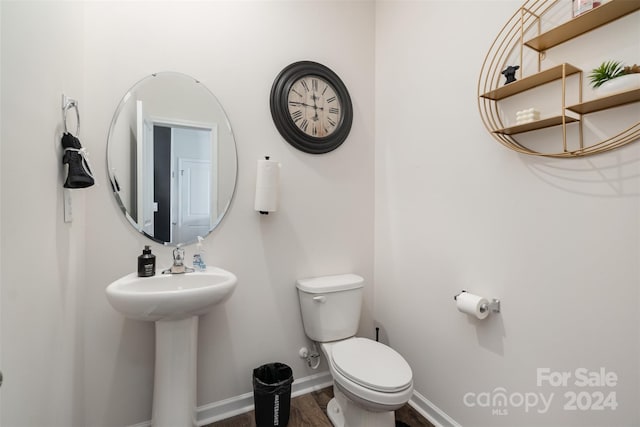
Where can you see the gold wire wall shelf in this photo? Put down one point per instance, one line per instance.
(538, 124)
(604, 103)
(601, 15)
(511, 38)
(531, 82)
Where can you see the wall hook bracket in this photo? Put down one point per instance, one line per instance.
(67, 104)
(494, 305)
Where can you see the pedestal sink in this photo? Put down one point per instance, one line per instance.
(173, 302)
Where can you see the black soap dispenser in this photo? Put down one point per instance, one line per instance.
(146, 263)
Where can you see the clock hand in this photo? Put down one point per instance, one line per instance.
(300, 103)
(315, 117)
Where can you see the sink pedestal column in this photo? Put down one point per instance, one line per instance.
(174, 388)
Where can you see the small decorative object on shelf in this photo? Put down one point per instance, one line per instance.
(608, 70)
(611, 77)
(632, 69)
(582, 6)
(527, 116)
(510, 73)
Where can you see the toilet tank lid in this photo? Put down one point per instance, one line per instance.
(335, 283)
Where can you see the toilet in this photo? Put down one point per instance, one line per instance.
(370, 379)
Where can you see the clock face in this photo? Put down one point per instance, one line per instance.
(311, 107)
(314, 106)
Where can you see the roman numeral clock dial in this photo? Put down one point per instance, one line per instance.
(314, 106)
(311, 107)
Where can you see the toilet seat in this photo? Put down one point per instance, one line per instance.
(399, 379)
(371, 364)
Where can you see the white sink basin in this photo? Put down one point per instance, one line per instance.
(170, 296)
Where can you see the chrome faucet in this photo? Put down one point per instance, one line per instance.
(178, 266)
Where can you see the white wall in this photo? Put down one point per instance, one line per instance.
(555, 240)
(325, 223)
(0, 213)
(43, 258)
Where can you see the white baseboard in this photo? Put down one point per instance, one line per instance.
(431, 412)
(212, 412)
(217, 411)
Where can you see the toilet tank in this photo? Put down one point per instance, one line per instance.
(330, 306)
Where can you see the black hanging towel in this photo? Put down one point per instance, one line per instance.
(78, 173)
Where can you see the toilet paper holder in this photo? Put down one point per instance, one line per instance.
(493, 306)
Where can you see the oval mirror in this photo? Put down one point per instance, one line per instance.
(172, 158)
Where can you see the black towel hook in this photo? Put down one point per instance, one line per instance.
(67, 104)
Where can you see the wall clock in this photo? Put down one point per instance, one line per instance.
(311, 107)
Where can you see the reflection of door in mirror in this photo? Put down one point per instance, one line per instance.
(175, 193)
(144, 172)
(196, 197)
(193, 206)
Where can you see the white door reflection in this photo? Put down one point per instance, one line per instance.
(176, 198)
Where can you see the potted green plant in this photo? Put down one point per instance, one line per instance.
(612, 76)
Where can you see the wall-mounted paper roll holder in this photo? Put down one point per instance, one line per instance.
(493, 306)
(267, 177)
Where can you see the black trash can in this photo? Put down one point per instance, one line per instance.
(272, 394)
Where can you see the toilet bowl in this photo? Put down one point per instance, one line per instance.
(370, 379)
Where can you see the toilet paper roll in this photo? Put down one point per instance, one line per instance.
(473, 304)
(267, 183)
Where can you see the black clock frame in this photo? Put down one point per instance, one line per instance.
(279, 103)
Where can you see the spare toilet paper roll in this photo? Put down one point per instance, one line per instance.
(473, 304)
(268, 177)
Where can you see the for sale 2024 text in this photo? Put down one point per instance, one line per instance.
(587, 398)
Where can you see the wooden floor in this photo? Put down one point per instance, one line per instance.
(310, 410)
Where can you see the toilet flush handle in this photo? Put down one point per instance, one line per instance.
(320, 299)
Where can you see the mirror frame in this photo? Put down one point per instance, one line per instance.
(115, 185)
